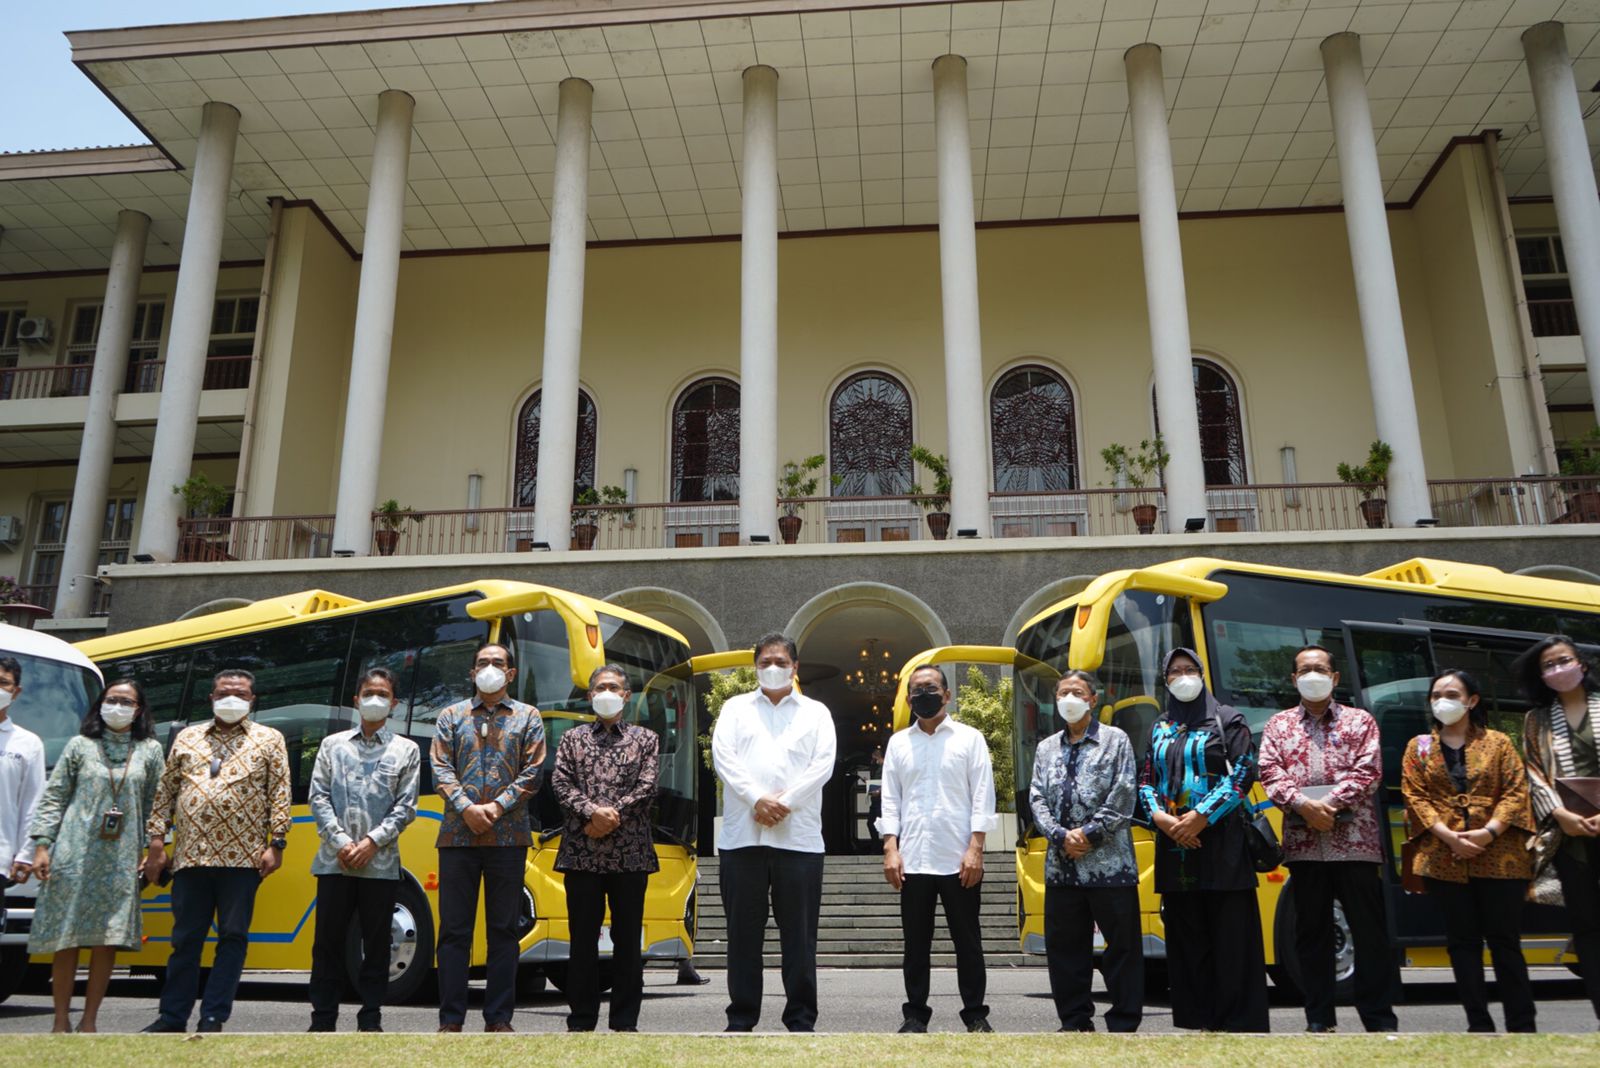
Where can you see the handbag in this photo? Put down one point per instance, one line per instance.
(1545, 888)
(1410, 881)
(1266, 852)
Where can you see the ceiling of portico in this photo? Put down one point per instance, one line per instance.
(1050, 135)
(134, 442)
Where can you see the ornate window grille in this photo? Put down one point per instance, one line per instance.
(869, 431)
(705, 442)
(1033, 426)
(1216, 399)
(527, 470)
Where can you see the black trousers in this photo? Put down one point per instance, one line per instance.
(794, 881)
(1579, 869)
(371, 902)
(1481, 911)
(500, 869)
(1216, 961)
(1071, 913)
(919, 895)
(1359, 890)
(198, 895)
(587, 896)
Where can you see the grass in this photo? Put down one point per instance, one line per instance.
(857, 1050)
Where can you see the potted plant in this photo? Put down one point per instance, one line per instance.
(937, 501)
(202, 499)
(391, 516)
(1134, 469)
(15, 608)
(797, 480)
(589, 504)
(1583, 498)
(1369, 478)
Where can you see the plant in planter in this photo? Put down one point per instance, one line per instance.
(588, 505)
(1369, 478)
(1135, 469)
(391, 517)
(202, 498)
(796, 480)
(1583, 498)
(15, 607)
(939, 500)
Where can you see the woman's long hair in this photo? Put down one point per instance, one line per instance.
(95, 727)
(1532, 677)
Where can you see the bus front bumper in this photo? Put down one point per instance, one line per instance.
(550, 950)
(1154, 945)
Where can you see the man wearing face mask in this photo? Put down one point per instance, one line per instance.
(938, 807)
(605, 782)
(225, 795)
(1321, 764)
(363, 794)
(774, 751)
(486, 756)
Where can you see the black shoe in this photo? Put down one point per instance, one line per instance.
(370, 1029)
(321, 1028)
(163, 1026)
(980, 1026)
(732, 1030)
(209, 1025)
(913, 1027)
(687, 976)
(1321, 1029)
(1074, 1029)
(624, 1030)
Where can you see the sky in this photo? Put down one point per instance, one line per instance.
(65, 110)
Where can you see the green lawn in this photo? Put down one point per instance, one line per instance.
(709, 1051)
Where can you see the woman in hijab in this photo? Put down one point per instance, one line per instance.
(1197, 774)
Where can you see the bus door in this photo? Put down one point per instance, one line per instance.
(1393, 666)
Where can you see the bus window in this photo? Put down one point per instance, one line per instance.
(668, 708)
(1251, 664)
(55, 697)
(1391, 668)
(1491, 663)
(164, 677)
(1144, 627)
(400, 639)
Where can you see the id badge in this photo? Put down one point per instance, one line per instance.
(111, 823)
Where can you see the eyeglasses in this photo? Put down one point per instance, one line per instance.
(1558, 663)
(1182, 672)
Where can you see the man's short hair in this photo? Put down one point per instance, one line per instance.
(382, 674)
(944, 680)
(767, 640)
(11, 667)
(511, 658)
(1315, 649)
(609, 669)
(233, 673)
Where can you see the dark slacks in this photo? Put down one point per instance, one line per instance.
(794, 881)
(1071, 913)
(587, 896)
(919, 894)
(1479, 912)
(199, 896)
(1216, 961)
(1359, 890)
(371, 903)
(1580, 886)
(500, 869)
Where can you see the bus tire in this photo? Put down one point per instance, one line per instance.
(1286, 973)
(556, 971)
(410, 946)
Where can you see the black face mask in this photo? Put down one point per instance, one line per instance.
(925, 704)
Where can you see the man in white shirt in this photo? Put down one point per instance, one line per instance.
(21, 779)
(773, 750)
(938, 807)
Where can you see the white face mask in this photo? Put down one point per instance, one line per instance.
(5, 700)
(374, 708)
(489, 680)
(118, 717)
(1448, 710)
(607, 705)
(1314, 686)
(230, 709)
(774, 677)
(1072, 708)
(1186, 687)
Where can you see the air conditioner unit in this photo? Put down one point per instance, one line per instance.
(36, 328)
(10, 529)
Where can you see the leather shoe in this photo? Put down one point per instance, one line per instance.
(449, 1029)
(980, 1026)
(1320, 1029)
(502, 1027)
(370, 1029)
(318, 1028)
(913, 1027)
(209, 1025)
(163, 1027)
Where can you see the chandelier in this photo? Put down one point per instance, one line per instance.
(874, 673)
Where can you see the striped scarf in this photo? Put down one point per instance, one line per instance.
(1547, 739)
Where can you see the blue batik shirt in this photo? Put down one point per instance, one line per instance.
(364, 788)
(1089, 785)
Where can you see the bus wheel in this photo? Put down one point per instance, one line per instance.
(556, 971)
(410, 946)
(1286, 972)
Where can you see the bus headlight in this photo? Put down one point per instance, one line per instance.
(528, 915)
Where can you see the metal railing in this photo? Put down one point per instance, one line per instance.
(278, 537)
(1529, 501)
(143, 376)
(1553, 318)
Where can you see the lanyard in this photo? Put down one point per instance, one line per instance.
(116, 783)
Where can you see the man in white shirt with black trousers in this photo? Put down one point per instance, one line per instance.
(938, 807)
(774, 751)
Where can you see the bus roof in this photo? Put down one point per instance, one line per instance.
(15, 641)
(1473, 581)
(272, 612)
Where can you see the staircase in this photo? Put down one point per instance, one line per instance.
(860, 922)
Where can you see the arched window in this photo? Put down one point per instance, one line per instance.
(527, 473)
(869, 436)
(1035, 431)
(705, 442)
(1216, 401)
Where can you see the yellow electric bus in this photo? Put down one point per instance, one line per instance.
(1390, 630)
(308, 650)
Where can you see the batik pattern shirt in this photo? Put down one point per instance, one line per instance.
(1340, 749)
(1497, 789)
(1089, 785)
(483, 754)
(602, 765)
(364, 788)
(224, 820)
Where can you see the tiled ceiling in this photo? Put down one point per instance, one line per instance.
(134, 443)
(1050, 134)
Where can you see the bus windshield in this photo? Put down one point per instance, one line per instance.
(54, 697)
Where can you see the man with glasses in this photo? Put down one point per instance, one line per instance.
(1321, 764)
(938, 807)
(486, 756)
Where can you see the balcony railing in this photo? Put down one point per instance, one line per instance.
(143, 376)
(278, 537)
(1553, 318)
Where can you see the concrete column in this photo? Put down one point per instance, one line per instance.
(75, 594)
(758, 309)
(1166, 298)
(1394, 405)
(958, 287)
(369, 355)
(189, 331)
(1566, 146)
(563, 318)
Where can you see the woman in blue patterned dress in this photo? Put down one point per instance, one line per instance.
(1197, 773)
(87, 833)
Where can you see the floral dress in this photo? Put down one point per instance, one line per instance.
(92, 898)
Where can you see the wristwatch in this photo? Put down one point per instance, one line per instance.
(278, 843)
